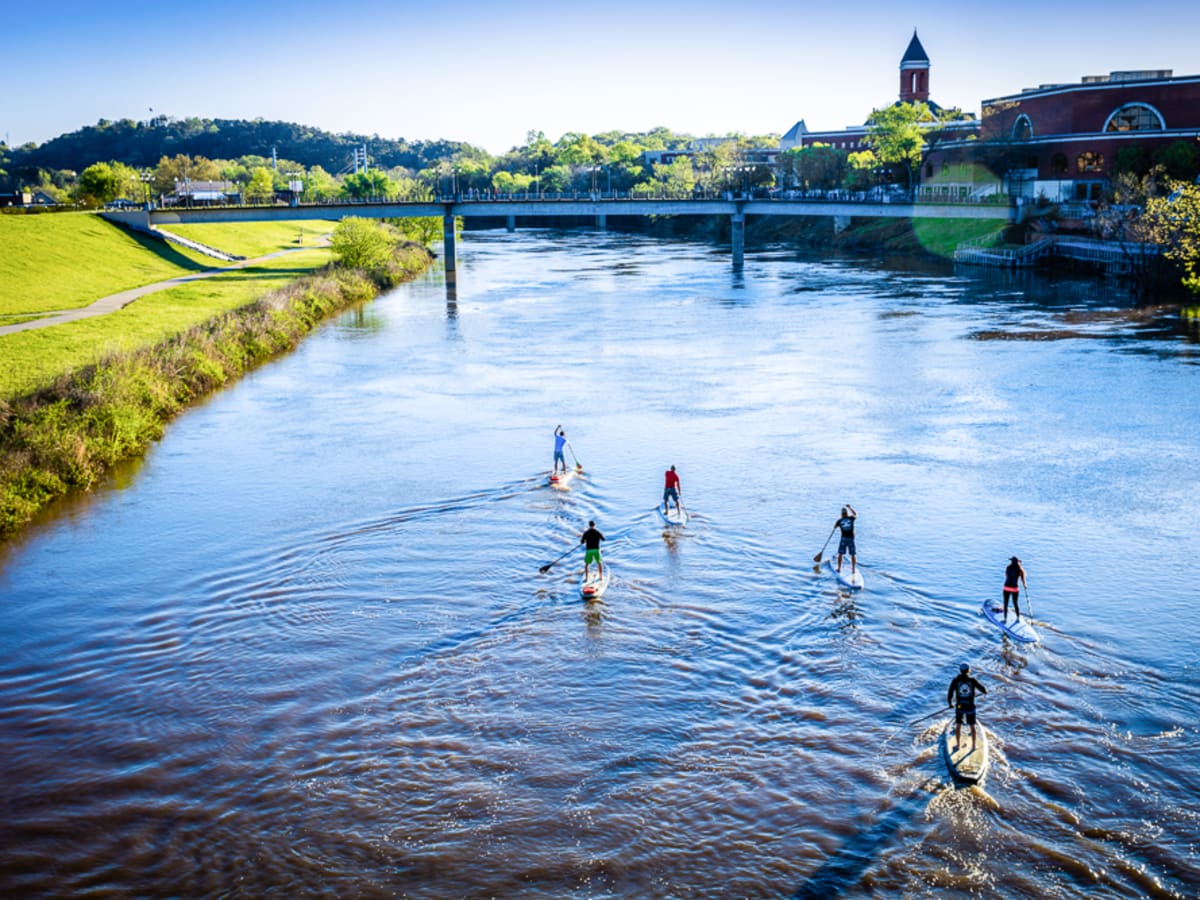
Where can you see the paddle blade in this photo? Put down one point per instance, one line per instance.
(546, 568)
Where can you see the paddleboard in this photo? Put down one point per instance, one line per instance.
(845, 579)
(966, 765)
(563, 479)
(674, 517)
(593, 587)
(1017, 630)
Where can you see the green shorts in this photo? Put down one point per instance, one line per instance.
(591, 556)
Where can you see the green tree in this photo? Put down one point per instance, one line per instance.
(818, 167)
(179, 168)
(895, 135)
(363, 185)
(1173, 222)
(105, 181)
(359, 243)
(320, 185)
(261, 186)
(860, 170)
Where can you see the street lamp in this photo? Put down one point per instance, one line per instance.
(147, 176)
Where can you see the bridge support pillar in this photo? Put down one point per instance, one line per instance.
(840, 224)
(448, 246)
(737, 223)
(601, 222)
(512, 224)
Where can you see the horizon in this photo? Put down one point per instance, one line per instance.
(489, 75)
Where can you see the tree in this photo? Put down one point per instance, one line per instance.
(320, 185)
(860, 170)
(359, 243)
(362, 185)
(105, 181)
(818, 167)
(1173, 222)
(179, 168)
(261, 186)
(895, 135)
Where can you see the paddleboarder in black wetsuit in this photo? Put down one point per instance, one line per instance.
(961, 695)
(1013, 573)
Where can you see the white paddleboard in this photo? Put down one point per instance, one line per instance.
(1017, 630)
(594, 586)
(674, 517)
(845, 579)
(563, 479)
(966, 765)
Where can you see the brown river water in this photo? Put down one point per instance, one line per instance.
(304, 648)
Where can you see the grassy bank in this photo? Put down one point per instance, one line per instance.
(68, 260)
(68, 433)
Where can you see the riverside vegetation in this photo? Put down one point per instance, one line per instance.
(67, 430)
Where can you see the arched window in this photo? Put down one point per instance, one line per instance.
(1058, 164)
(1135, 117)
(1022, 128)
(1089, 161)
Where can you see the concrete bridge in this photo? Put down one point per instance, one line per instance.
(596, 207)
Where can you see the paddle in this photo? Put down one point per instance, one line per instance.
(578, 464)
(817, 558)
(940, 712)
(546, 568)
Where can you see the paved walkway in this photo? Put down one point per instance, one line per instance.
(113, 302)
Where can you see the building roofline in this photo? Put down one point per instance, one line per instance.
(1050, 90)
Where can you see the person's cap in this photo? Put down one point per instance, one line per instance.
(964, 667)
(1014, 559)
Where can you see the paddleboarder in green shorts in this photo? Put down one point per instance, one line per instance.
(961, 695)
(591, 550)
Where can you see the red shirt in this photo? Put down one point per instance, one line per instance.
(672, 479)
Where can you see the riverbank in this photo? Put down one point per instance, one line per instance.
(69, 434)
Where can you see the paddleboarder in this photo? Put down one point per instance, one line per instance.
(1014, 573)
(560, 441)
(671, 491)
(846, 544)
(591, 550)
(961, 695)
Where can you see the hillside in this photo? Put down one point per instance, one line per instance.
(143, 144)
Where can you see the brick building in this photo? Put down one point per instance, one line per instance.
(1062, 142)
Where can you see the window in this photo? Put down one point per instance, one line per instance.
(1089, 161)
(1134, 117)
(1022, 128)
(1058, 164)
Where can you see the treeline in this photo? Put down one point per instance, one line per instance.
(134, 159)
(143, 144)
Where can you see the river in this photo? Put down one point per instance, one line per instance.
(304, 647)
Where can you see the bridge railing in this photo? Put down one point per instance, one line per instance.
(485, 196)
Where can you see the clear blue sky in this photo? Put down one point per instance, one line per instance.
(489, 72)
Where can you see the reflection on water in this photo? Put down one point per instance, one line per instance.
(306, 646)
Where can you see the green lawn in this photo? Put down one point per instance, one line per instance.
(67, 260)
(942, 236)
(255, 239)
(34, 358)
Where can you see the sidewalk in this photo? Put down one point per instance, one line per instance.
(113, 302)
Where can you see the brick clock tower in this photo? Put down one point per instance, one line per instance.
(914, 72)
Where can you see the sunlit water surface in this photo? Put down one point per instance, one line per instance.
(304, 648)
